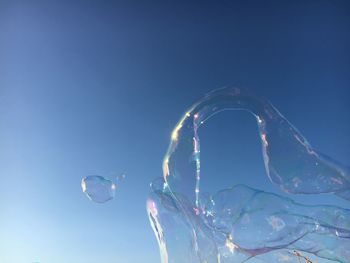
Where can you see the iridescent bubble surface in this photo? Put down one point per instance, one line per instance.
(98, 189)
(241, 223)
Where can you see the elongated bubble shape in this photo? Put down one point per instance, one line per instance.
(242, 223)
(98, 189)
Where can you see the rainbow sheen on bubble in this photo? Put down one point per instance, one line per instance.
(241, 223)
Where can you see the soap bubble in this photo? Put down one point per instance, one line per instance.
(98, 189)
(290, 160)
(242, 223)
(121, 177)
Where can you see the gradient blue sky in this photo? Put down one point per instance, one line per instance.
(95, 87)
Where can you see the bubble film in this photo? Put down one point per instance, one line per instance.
(121, 177)
(98, 189)
(244, 224)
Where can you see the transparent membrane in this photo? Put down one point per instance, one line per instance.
(241, 223)
(98, 189)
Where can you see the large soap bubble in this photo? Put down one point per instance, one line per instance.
(241, 223)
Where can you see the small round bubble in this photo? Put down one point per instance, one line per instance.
(98, 189)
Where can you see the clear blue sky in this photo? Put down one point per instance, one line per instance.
(94, 87)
